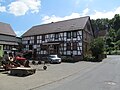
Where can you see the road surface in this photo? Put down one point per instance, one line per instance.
(102, 76)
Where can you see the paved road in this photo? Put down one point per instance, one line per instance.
(68, 76)
(102, 76)
(54, 73)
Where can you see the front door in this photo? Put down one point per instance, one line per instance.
(53, 49)
(56, 49)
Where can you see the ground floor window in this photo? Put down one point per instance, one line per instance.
(74, 45)
(30, 47)
(43, 47)
(68, 46)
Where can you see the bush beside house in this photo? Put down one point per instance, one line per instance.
(97, 49)
(70, 59)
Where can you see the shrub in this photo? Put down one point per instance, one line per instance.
(118, 43)
(90, 58)
(115, 52)
(67, 59)
(97, 47)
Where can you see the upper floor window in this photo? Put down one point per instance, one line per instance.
(68, 46)
(28, 42)
(35, 40)
(56, 35)
(68, 35)
(43, 37)
(74, 34)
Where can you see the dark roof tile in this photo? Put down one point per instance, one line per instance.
(67, 25)
(6, 29)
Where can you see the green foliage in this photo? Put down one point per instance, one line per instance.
(97, 47)
(118, 35)
(116, 22)
(101, 24)
(115, 52)
(68, 59)
(113, 28)
(112, 45)
(108, 41)
(112, 34)
(89, 58)
(118, 44)
(107, 24)
(93, 59)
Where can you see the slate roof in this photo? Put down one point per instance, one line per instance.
(67, 25)
(6, 29)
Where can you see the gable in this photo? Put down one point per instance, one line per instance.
(88, 27)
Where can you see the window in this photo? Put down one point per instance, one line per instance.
(7, 47)
(74, 34)
(30, 47)
(28, 42)
(74, 45)
(43, 47)
(24, 46)
(43, 37)
(68, 46)
(68, 35)
(34, 40)
(4, 47)
(56, 35)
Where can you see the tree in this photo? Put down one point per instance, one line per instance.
(113, 28)
(116, 22)
(108, 41)
(111, 40)
(97, 47)
(118, 35)
(118, 44)
(112, 34)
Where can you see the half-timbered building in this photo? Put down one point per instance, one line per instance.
(8, 40)
(66, 38)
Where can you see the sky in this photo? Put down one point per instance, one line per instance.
(24, 14)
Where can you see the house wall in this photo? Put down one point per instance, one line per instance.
(7, 38)
(8, 42)
(87, 38)
(62, 40)
(66, 45)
